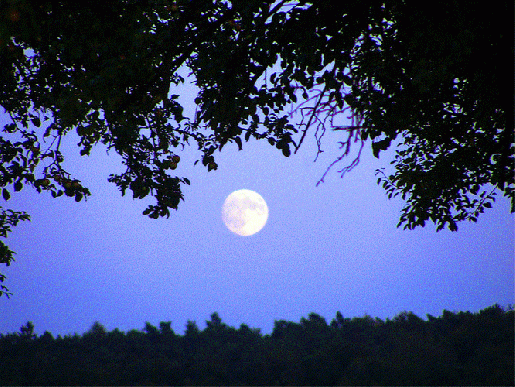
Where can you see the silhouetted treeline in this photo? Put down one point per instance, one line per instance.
(454, 349)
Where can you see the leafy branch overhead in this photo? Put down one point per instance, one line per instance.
(431, 85)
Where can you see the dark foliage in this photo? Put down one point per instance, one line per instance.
(433, 80)
(454, 349)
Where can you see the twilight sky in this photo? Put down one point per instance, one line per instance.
(326, 248)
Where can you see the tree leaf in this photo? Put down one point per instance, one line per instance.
(238, 141)
(5, 194)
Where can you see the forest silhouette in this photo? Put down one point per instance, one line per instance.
(456, 348)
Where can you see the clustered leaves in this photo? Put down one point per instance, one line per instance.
(447, 107)
(432, 85)
(8, 219)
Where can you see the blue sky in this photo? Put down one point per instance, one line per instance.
(326, 248)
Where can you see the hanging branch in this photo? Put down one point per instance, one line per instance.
(354, 136)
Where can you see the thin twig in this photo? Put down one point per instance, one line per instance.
(354, 162)
(308, 124)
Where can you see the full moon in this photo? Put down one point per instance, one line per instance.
(244, 212)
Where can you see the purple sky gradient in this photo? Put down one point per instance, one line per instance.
(323, 249)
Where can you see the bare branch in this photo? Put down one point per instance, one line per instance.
(354, 135)
(313, 114)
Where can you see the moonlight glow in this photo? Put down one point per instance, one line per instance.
(244, 212)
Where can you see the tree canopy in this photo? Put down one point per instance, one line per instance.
(461, 348)
(430, 80)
